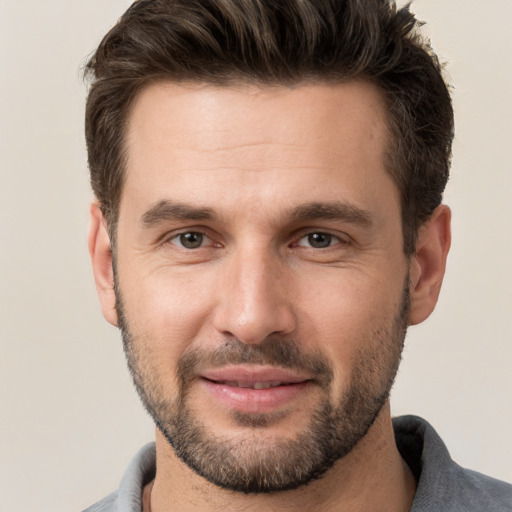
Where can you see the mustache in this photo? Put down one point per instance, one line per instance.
(273, 351)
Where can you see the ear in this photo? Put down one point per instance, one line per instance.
(101, 258)
(428, 264)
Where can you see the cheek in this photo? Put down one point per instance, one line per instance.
(166, 311)
(346, 317)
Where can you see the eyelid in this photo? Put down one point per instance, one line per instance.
(168, 238)
(204, 241)
(342, 238)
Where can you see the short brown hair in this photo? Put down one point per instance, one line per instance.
(268, 42)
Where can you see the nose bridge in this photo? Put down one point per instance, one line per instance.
(254, 300)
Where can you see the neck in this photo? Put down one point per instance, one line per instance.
(373, 476)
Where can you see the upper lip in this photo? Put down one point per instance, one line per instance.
(249, 374)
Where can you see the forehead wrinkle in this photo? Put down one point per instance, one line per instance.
(255, 144)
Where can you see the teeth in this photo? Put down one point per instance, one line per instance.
(254, 385)
(262, 385)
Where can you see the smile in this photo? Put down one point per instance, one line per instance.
(255, 388)
(254, 385)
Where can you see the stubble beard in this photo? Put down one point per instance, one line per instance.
(253, 463)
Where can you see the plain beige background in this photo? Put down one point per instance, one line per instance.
(70, 420)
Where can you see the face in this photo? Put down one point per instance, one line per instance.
(262, 288)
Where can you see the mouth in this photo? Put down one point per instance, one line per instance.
(253, 385)
(255, 389)
(254, 377)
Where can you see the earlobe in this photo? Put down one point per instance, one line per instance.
(428, 264)
(101, 259)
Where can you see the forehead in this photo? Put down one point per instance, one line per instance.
(218, 116)
(240, 139)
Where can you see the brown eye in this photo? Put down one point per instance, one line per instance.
(190, 240)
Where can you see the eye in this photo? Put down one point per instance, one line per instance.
(318, 240)
(190, 240)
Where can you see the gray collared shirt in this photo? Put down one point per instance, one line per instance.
(443, 486)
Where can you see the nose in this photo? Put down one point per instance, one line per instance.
(255, 301)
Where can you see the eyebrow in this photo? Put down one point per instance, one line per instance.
(332, 211)
(166, 210)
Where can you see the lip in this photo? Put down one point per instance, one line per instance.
(219, 384)
(252, 374)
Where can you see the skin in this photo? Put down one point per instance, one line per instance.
(252, 155)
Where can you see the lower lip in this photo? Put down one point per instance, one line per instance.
(255, 400)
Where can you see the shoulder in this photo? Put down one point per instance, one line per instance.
(128, 498)
(107, 504)
(442, 483)
(479, 490)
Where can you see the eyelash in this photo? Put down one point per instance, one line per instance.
(328, 237)
(184, 233)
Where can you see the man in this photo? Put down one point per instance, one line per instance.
(269, 178)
